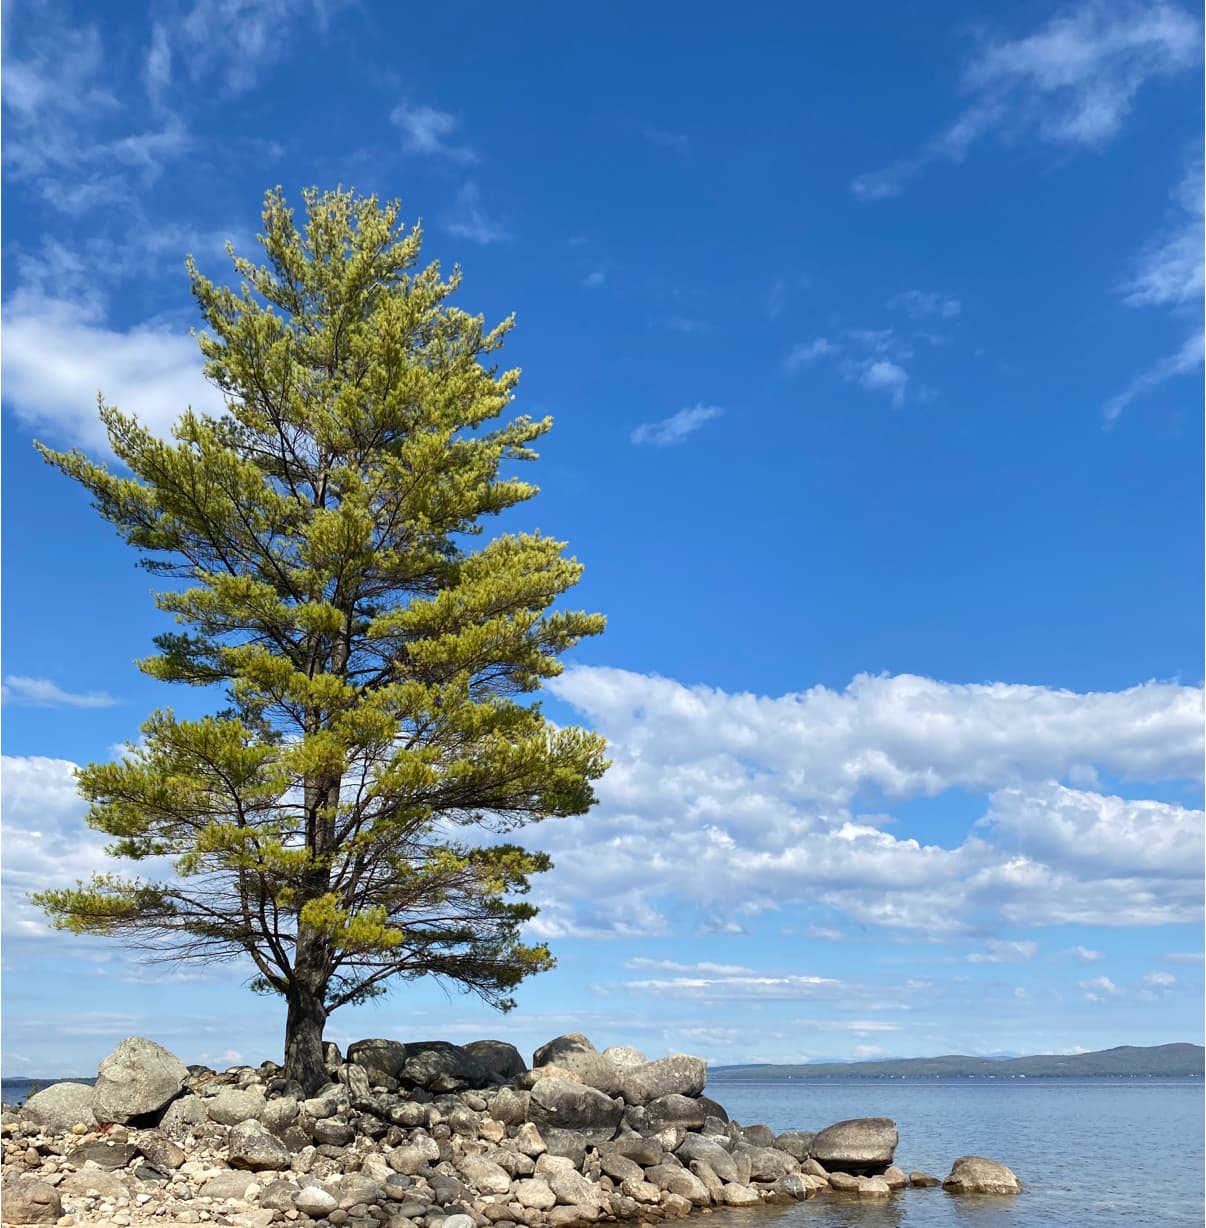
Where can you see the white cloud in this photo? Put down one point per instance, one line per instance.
(670, 431)
(925, 304)
(1099, 989)
(469, 219)
(59, 354)
(593, 280)
(665, 139)
(425, 131)
(868, 1051)
(670, 965)
(1004, 951)
(755, 794)
(803, 355)
(856, 1027)
(1160, 980)
(1185, 957)
(43, 693)
(1084, 953)
(159, 61)
(887, 376)
(1184, 361)
(1072, 83)
(742, 988)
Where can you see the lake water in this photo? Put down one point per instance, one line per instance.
(1090, 1153)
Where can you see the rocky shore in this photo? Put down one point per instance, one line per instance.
(426, 1135)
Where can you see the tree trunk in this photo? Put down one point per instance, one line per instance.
(303, 1033)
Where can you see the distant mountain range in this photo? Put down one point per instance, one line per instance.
(1126, 1060)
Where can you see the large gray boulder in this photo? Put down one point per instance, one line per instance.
(31, 1202)
(138, 1078)
(59, 1107)
(675, 1110)
(679, 1075)
(977, 1175)
(860, 1145)
(624, 1057)
(379, 1057)
(235, 1104)
(250, 1146)
(711, 1153)
(501, 1061)
(796, 1143)
(575, 1053)
(437, 1066)
(574, 1106)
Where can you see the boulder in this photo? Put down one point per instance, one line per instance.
(573, 1190)
(438, 1066)
(138, 1078)
(27, 1201)
(59, 1107)
(535, 1194)
(568, 1144)
(315, 1201)
(573, 1106)
(182, 1115)
(860, 1145)
(895, 1178)
(106, 1184)
(845, 1183)
(529, 1141)
(484, 1175)
(640, 1190)
(711, 1153)
(500, 1060)
(797, 1143)
(574, 1053)
(873, 1187)
(643, 1151)
(799, 1186)
(674, 1179)
(740, 1195)
(977, 1175)
(766, 1164)
(675, 1110)
(227, 1184)
(923, 1181)
(379, 1058)
(620, 1168)
(624, 1057)
(678, 1075)
(105, 1155)
(758, 1136)
(235, 1104)
(712, 1183)
(713, 1109)
(160, 1150)
(250, 1146)
(510, 1106)
(278, 1195)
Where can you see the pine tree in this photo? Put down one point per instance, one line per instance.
(378, 663)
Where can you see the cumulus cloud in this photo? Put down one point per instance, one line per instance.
(887, 376)
(43, 693)
(1099, 989)
(673, 430)
(1072, 83)
(58, 355)
(805, 354)
(758, 795)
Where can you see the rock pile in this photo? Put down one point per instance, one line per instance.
(424, 1135)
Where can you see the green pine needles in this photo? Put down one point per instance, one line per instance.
(377, 669)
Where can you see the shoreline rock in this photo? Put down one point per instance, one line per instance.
(426, 1135)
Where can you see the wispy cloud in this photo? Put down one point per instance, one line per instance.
(426, 131)
(594, 279)
(805, 354)
(469, 219)
(673, 430)
(1185, 957)
(1084, 953)
(1001, 951)
(1072, 83)
(925, 304)
(1099, 989)
(1159, 980)
(42, 693)
(889, 377)
(665, 139)
(1169, 274)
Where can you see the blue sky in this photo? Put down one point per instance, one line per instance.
(873, 338)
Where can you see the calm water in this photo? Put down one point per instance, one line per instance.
(1090, 1153)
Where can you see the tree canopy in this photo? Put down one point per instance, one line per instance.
(318, 544)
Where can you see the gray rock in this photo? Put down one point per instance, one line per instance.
(573, 1190)
(675, 1110)
(138, 1078)
(379, 1058)
(160, 1150)
(465, 1122)
(439, 1066)
(278, 1195)
(845, 1183)
(27, 1201)
(227, 1184)
(484, 1175)
(641, 1191)
(570, 1144)
(674, 1179)
(573, 1106)
(407, 1113)
(644, 1151)
(529, 1141)
(741, 1195)
(923, 1181)
(575, 1053)
(797, 1186)
(414, 1157)
(857, 1145)
(250, 1146)
(873, 1187)
(459, 1220)
(333, 1132)
(895, 1178)
(978, 1175)
(713, 1110)
(535, 1194)
(106, 1155)
(623, 1057)
(279, 1114)
(330, 1099)
(668, 1076)
(59, 1107)
(235, 1104)
(182, 1115)
(766, 1163)
(697, 1147)
(712, 1183)
(315, 1201)
(797, 1143)
(106, 1184)
(357, 1188)
(620, 1168)
(510, 1106)
(500, 1060)
(758, 1136)
(813, 1167)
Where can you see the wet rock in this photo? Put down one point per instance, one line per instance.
(845, 1183)
(895, 1178)
(923, 1181)
(857, 1145)
(873, 1187)
(674, 1179)
(741, 1195)
(138, 1078)
(59, 1107)
(978, 1175)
